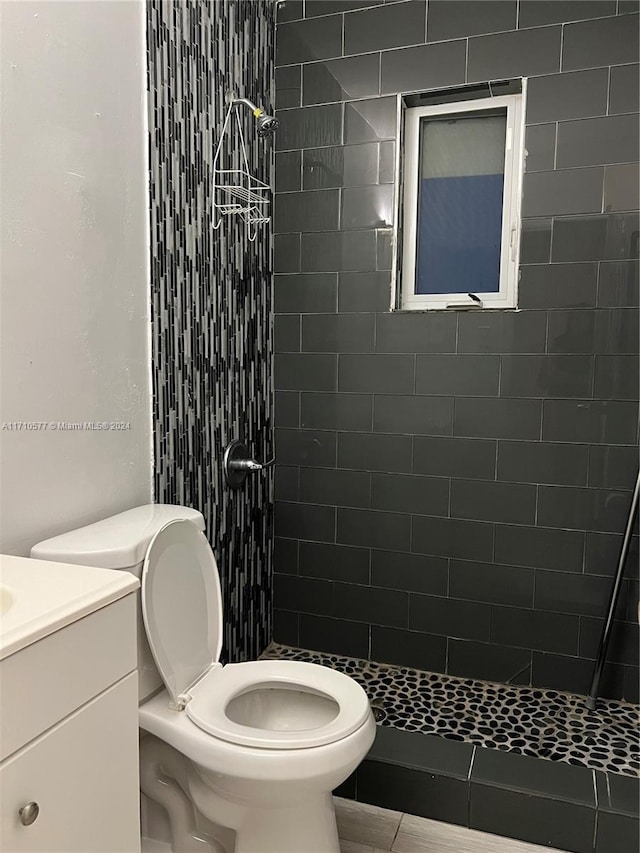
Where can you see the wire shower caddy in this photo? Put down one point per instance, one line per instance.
(237, 191)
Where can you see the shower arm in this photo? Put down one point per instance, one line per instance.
(267, 124)
(255, 110)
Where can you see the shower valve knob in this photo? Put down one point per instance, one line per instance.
(237, 463)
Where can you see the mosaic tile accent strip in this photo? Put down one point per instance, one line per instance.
(525, 720)
(211, 293)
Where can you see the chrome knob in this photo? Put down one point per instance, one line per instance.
(29, 814)
(237, 463)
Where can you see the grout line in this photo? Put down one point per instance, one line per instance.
(561, 48)
(471, 763)
(396, 834)
(546, 335)
(466, 61)
(595, 787)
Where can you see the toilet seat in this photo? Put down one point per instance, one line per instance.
(211, 697)
(182, 612)
(182, 606)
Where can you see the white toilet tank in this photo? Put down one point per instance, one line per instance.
(120, 542)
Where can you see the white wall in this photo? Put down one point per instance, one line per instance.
(73, 266)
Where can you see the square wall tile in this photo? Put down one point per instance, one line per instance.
(408, 648)
(448, 537)
(413, 415)
(537, 13)
(307, 211)
(543, 462)
(338, 333)
(539, 547)
(622, 187)
(540, 147)
(511, 503)
(563, 192)
(288, 171)
(428, 66)
(594, 141)
(341, 79)
(335, 636)
(370, 120)
(383, 27)
(590, 44)
(304, 41)
(309, 293)
(454, 457)
(458, 374)
(367, 207)
(309, 127)
(288, 86)
(624, 90)
(469, 18)
(558, 285)
(411, 572)
(558, 97)
(336, 411)
(419, 793)
(374, 529)
(304, 372)
(522, 53)
(470, 659)
(339, 251)
(377, 374)
(344, 166)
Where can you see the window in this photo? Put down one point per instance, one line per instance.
(462, 165)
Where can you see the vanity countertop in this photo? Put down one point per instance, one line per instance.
(38, 597)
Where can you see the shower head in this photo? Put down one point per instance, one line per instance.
(266, 124)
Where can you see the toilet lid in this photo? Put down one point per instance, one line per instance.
(182, 605)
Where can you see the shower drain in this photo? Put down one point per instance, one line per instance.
(379, 711)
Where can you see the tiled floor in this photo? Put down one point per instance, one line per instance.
(525, 720)
(368, 829)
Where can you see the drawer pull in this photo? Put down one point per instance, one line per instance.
(29, 814)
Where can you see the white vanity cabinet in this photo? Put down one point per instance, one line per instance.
(69, 732)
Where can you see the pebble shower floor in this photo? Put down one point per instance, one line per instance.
(526, 720)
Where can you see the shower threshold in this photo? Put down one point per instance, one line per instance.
(522, 762)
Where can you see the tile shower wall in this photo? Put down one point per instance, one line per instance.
(452, 487)
(211, 293)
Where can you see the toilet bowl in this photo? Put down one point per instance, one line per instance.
(256, 747)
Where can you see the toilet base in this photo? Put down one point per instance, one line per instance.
(201, 821)
(307, 828)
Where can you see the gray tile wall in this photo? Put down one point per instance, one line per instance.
(452, 487)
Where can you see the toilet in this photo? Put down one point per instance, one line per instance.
(243, 757)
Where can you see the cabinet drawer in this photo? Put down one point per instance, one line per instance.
(46, 681)
(83, 774)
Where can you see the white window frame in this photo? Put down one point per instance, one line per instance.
(506, 296)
